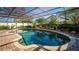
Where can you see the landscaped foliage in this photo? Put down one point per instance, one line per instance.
(69, 27)
(72, 14)
(42, 20)
(6, 27)
(53, 22)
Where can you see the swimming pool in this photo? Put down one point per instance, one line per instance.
(45, 38)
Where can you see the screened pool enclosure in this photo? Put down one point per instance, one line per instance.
(39, 28)
(11, 14)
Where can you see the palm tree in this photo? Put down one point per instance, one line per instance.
(72, 14)
(75, 19)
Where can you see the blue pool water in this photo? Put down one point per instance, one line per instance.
(43, 38)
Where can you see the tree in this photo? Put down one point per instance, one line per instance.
(42, 20)
(53, 22)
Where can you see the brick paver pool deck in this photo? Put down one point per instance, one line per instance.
(7, 40)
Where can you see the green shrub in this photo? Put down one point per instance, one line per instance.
(2, 27)
(29, 26)
(69, 27)
(6, 27)
(12, 26)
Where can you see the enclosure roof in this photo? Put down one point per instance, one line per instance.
(34, 12)
(13, 12)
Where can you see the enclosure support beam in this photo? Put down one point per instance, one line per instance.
(10, 13)
(64, 13)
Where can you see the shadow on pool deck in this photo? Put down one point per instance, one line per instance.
(40, 47)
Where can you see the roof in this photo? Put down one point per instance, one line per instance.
(35, 12)
(13, 12)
